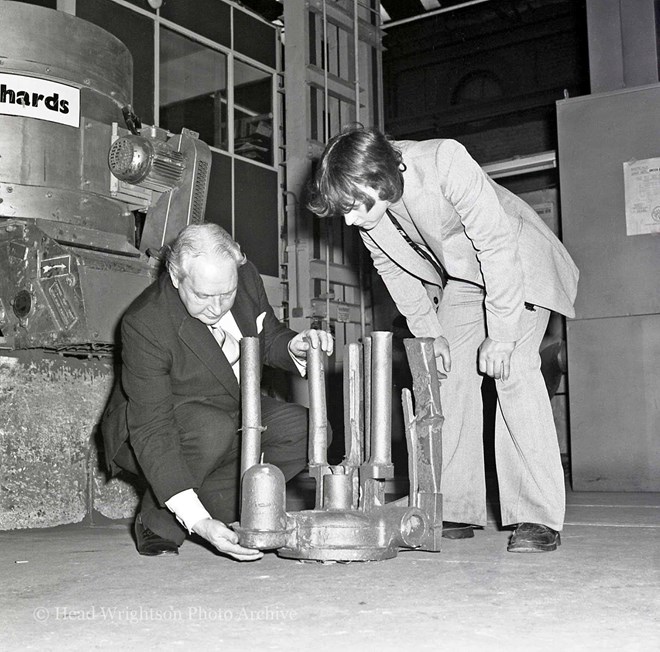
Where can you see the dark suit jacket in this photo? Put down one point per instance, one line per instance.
(175, 378)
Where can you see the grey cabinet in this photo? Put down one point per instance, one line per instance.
(614, 341)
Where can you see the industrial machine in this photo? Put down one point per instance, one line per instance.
(88, 196)
(351, 520)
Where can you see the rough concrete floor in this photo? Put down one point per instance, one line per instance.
(85, 587)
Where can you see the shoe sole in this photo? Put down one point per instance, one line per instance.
(537, 547)
(158, 554)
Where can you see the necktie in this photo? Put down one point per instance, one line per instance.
(442, 272)
(230, 347)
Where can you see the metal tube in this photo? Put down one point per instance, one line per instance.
(318, 414)
(337, 491)
(326, 94)
(381, 397)
(353, 405)
(363, 310)
(356, 62)
(250, 403)
(366, 370)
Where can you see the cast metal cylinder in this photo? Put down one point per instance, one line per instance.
(318, 419)
(263, 504)
(353, 405)
(366, 372)
(381, 398)
(250, 403)
(337, 491)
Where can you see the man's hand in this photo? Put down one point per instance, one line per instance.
(495, 358)
(300, 344)
(441, 350)
(224, 539)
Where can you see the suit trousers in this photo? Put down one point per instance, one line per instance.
(529, 471)
(213, 454)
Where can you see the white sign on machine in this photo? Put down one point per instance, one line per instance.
(31, 97)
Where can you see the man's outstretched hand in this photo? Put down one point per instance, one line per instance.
(300, 344)
(225, 540)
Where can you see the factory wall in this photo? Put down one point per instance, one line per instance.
(487, 75)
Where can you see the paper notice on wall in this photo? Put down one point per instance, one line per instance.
(642, 194)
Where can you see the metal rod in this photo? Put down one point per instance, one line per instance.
(366, 367)
(326, 65)
(353, 405)
(318, 414)
(356, 60)
(381, 397)
(361, 291)
(250, 403)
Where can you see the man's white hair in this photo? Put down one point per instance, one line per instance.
(198, 240)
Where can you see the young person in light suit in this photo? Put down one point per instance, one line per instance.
(472, 266)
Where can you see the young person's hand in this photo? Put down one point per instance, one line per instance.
(441, 350)
(495, 358)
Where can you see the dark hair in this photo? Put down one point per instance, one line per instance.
(357, 156)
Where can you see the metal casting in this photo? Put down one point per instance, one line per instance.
(250, 404)
(351, 520)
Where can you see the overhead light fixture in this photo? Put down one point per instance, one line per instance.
(522, 165)
(428, 14)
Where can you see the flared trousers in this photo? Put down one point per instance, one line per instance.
(529, 471)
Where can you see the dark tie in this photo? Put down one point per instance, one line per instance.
(442, 272)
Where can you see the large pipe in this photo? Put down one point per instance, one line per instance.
(381, 397)
(250, 403)
(318, 414)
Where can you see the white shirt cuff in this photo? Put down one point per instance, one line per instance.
(187, 508)
(301, 363)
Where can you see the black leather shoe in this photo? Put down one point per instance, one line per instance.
(150, 544)
(451, 530)
(534, 537)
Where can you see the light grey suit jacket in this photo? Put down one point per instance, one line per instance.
(480, 232)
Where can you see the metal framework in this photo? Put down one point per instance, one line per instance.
(273, 285)
(333, 77)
